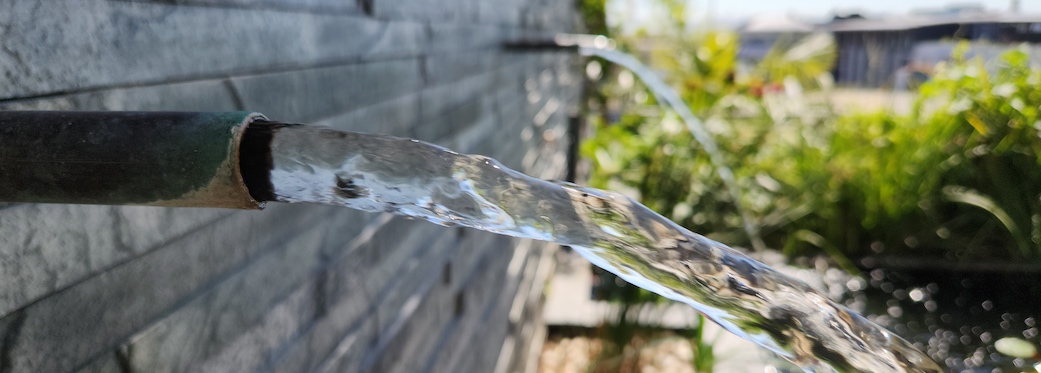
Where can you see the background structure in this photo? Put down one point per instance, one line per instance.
(293, 288)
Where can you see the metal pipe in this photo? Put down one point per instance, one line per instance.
(561, 42)
(125, 158)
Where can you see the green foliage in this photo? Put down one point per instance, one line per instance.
(758, 130)
(594, 15)
(956, 178)
(704, 357)
(964, 165)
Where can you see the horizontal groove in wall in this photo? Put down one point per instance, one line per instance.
(211, 77)
(287, 7)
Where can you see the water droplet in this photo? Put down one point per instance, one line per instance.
(900, 294)
(916, 295)
(1030, 333)
(1015, 347)
(855, 284)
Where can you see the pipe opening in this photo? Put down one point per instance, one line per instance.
(255, 160)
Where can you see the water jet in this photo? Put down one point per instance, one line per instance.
(604, 47)
(255, 160)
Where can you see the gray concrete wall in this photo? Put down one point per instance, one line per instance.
(293, 288)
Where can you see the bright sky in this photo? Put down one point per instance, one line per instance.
(732, 11)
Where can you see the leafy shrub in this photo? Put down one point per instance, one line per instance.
(957, 177)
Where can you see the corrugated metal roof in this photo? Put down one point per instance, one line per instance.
(919, 21)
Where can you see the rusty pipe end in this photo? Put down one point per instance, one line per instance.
(255, 161)
(174, 159)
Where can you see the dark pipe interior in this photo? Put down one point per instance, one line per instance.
(255, 159)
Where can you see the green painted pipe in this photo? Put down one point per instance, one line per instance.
(124, 158)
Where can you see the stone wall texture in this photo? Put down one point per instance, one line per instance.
(292, 288)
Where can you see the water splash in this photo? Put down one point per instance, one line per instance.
(420, 180)
(666, 94)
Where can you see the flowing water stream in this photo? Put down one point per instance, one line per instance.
(666, 94)
(313, 164)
